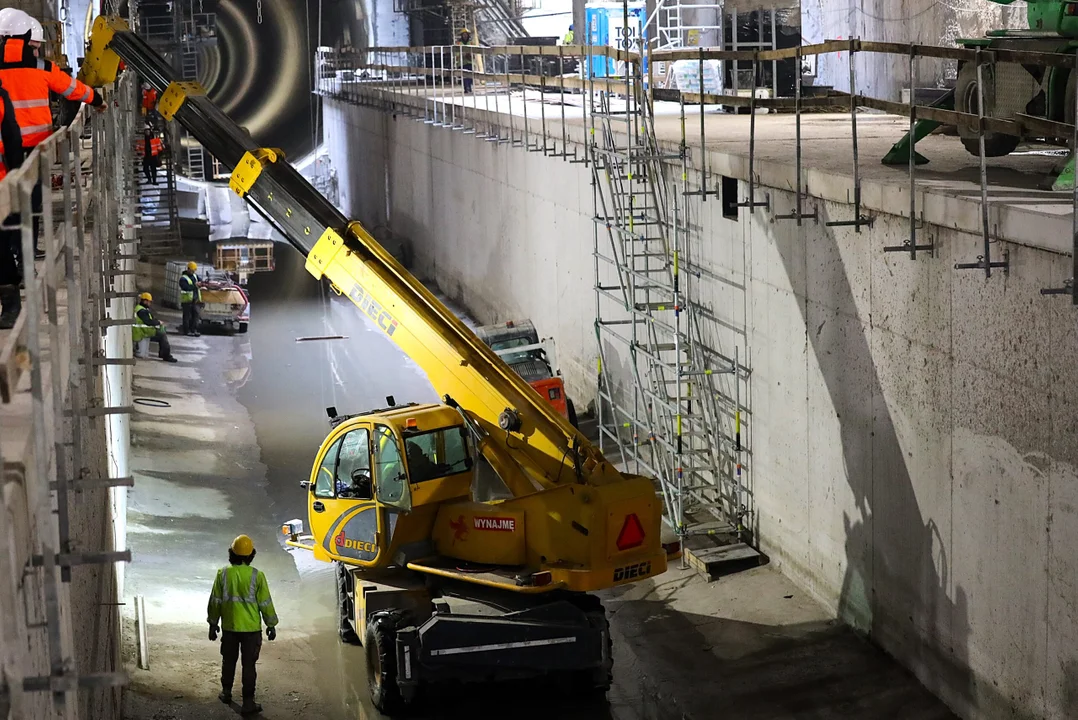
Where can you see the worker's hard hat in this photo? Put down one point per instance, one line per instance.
(192, 266)
(570, 28)
(242, 546)
(146, 296)
(16, 23)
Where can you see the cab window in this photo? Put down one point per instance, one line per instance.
(354, 466)
(323, 484)
(437, 454)
(389, 470)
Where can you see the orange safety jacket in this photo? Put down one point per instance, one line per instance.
(28, 80)
(156, 146)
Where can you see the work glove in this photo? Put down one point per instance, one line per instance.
(271, 633)
(213, 632)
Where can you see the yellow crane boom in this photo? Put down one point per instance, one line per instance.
(408, 538)
(539, 456)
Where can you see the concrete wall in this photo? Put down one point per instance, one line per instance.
(903, 21)
(912, 427)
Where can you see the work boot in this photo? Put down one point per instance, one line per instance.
(11, 304)
(170, 359)
(225, 697)
(250, 707)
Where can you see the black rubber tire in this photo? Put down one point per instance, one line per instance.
(603, 676)
(571, 411)
(382, 665)
(591, 686)
(344, 609)
(243, 328)
(965, 100)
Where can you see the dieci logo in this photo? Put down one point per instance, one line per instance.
(343, 541)
(505, 524)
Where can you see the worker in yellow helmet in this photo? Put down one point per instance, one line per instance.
(239, 602)
(148, 327)
(190, 300)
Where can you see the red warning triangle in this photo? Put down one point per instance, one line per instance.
(632, 533)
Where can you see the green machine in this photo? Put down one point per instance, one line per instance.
(1010, 88)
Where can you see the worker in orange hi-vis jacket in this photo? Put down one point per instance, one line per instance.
(28, 80)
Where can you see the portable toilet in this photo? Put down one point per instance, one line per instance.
(608, 24)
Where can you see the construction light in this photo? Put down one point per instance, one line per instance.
(411, 424)
(292, 528)
(632, 533)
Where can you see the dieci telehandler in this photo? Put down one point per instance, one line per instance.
(437, 584)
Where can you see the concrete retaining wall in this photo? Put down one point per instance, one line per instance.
(926, 22)
(912, 427)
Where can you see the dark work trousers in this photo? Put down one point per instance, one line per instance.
(467, 78)
(164, 349)
(10, 241)
(149, 169)
(15, 218)
(232, 644)
(191, 318)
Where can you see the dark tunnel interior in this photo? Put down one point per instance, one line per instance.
(261, 69)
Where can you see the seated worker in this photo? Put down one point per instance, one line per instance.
(420, 467)
(147, 326)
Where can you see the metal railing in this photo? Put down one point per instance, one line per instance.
(62, 375)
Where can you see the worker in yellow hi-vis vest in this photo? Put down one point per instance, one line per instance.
(240, 601)
(467, 59)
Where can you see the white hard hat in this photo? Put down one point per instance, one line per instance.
(16, 23)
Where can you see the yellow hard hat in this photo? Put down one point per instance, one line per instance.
(146, 296)
(192, 266)
(242, 546)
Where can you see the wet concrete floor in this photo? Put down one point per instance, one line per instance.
(246, 415)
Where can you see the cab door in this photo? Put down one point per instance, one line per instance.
(342, 510)
(391, 479)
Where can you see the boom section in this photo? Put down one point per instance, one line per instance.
(540, 450)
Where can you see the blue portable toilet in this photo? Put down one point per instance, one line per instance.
(608, 25)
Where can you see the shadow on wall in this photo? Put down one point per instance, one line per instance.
(890, 546)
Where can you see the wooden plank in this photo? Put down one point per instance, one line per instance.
(545, 50)
(1045, 128)
(837, 100)
(719, 560)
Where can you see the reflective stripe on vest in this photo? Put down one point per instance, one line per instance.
(28, 80)
(187, 288)
(140, 330)
(235, 601)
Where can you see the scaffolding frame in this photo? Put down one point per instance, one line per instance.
(51, 365)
